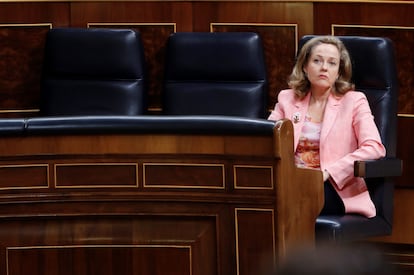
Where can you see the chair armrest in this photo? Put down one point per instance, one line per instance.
(386, 167)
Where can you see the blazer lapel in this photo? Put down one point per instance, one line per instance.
(329, 117)
(298, 117)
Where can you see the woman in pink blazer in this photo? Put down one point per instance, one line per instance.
(333, 124)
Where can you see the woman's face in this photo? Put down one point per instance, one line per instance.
(322, 68)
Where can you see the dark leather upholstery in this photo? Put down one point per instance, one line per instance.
(149, 124)
(12, 126)
(93, 72)
(374, 73)
(215, 74)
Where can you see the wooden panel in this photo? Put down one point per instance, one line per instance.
(401, 257)
(21, 60)
(22, 36)
(251, 12)
(27, 12)
(280, 46)
(253, 177)
(222, 240)
(119, 245)
(374, 14)
(15, 176)
(96, 175)
(403, 220)
(405, 150)
(403, 38)
(255, 242)
(184, 175)
(127, 259)
(127, 144)
(86, 12)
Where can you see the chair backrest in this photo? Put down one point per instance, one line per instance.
(93, 72)
(375, 74)
(220, 73)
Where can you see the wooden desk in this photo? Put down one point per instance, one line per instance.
(153, 204)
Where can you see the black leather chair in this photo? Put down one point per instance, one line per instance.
(374, 73)
(93, 72)
(215, 74)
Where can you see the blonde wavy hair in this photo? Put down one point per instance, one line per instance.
(300, 83)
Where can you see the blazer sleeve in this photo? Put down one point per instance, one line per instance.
(279, 111)
(368, 140)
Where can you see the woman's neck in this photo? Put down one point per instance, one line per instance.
(317, 105)
(320, 96)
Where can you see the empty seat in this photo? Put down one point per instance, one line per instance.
(215, 74)
(93, 72)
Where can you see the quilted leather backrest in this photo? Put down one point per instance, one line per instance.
(93, 72)
(215, 74)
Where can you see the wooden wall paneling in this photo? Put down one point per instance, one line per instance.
(15, 176)
(253, 12)
(154, 38)
(280, 46)
(178, 12)
(253, 177)
(401, 257)
(399, 246)
(403, 38)
(96, 175)
(255, 241)
(184, 175)
(405, 150)
(374, 14)
(22, 32)
(145, 245)
(26, 12)
(104, 221)
(403, 221)
(90, 259)
(21, 62)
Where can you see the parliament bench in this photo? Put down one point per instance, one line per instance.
(151, 195)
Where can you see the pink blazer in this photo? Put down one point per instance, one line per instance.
(348, 133)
